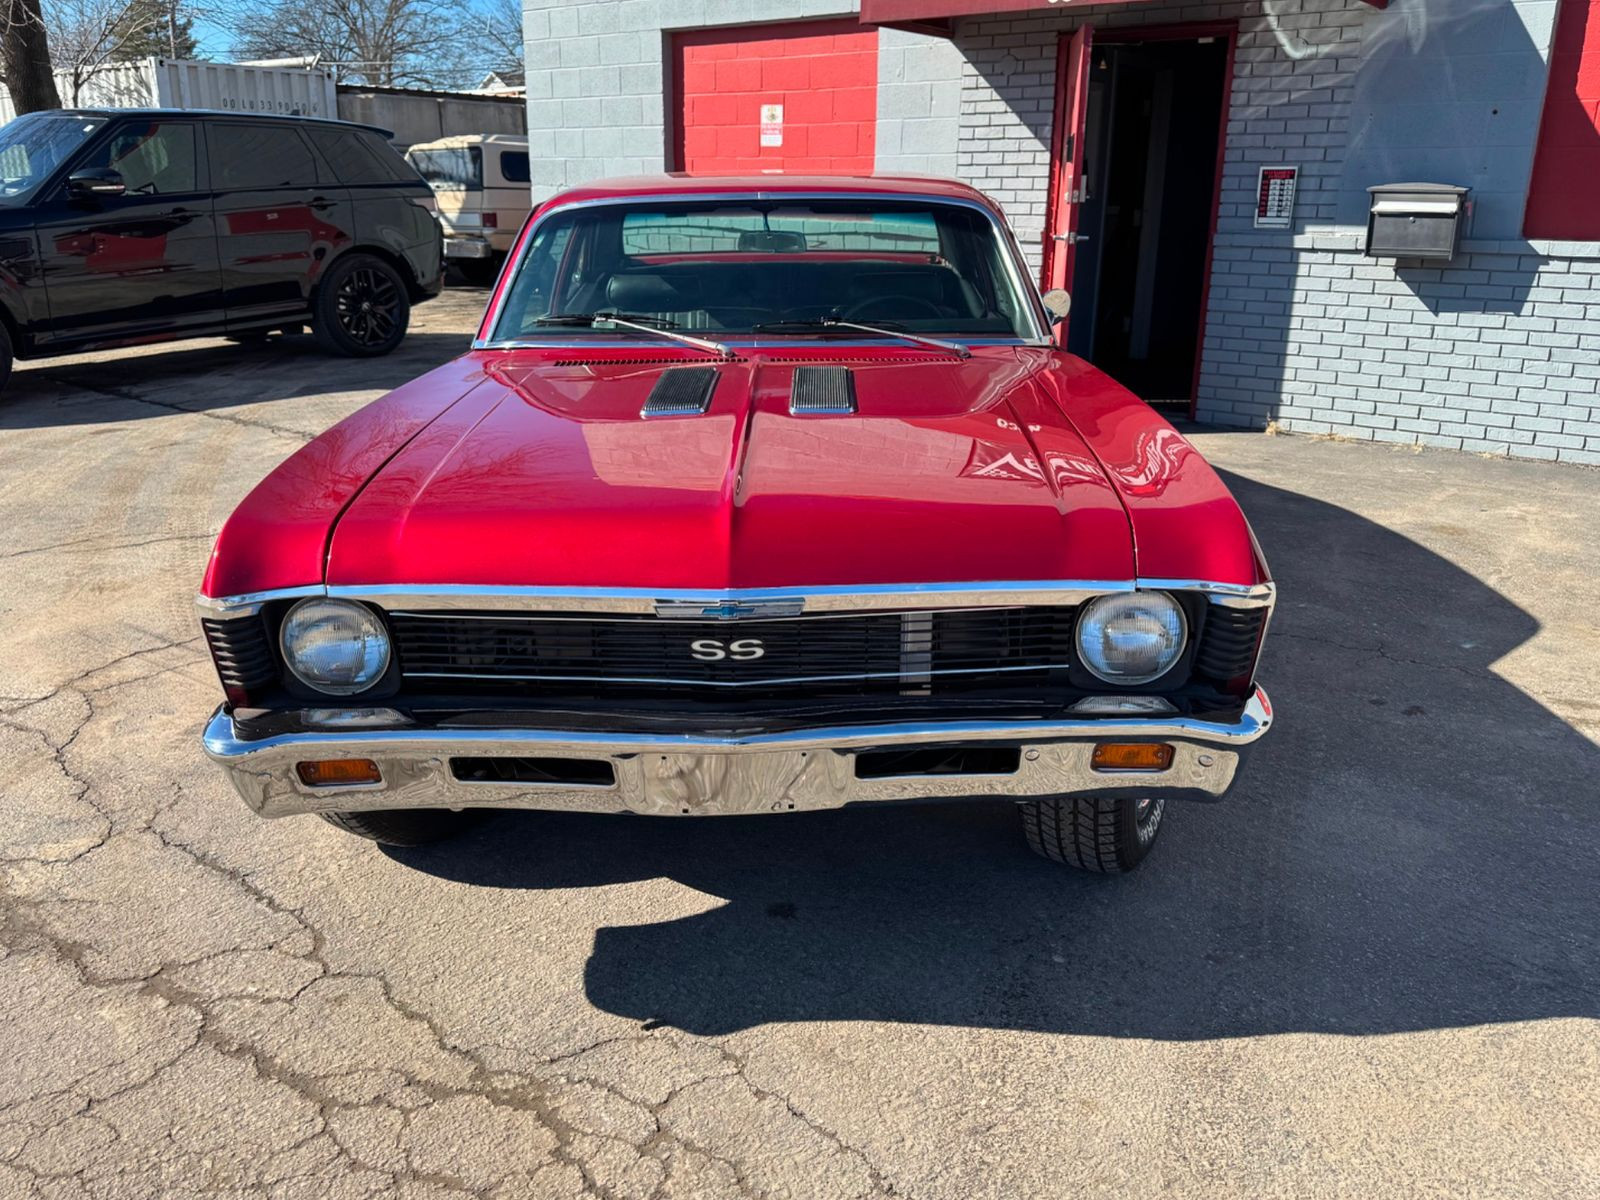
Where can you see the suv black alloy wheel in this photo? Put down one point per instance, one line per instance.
(362, 307)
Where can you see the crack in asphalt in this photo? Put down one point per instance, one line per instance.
(133, 397)
(26, 928)
(88, 545)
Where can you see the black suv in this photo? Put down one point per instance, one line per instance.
(140, 225)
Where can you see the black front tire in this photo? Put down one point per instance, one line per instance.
(404, 826)
(362, 308)
(1093, 833)
(7, 356)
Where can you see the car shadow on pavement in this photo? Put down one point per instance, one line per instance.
(206, 376)
(1414, 846)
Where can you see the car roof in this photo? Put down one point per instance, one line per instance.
(230, 114)
(689, 186)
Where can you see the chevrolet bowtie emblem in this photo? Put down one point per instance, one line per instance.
(729, 610)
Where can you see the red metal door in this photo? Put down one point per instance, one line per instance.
(1066, 175)
(800, 97)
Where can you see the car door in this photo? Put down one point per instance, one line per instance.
(143, 262)
(280, 218)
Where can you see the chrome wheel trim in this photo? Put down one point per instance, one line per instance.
(368, 306)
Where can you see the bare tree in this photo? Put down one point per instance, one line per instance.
(25, 57)
(86, 35)
(502, 36)
(386, 43)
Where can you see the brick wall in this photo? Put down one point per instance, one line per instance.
(1485, 354)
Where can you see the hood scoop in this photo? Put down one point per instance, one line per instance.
(681, 392)
(819, 390)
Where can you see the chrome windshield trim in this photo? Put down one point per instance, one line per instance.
(739, 341)
(1009, 252)
(842, 598)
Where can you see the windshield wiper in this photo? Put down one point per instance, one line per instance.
(822, 324)
(640, 322)
(606, 315)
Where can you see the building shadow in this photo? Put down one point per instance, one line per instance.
(120, 387)
(1414, 846)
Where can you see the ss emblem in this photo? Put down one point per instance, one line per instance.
(710, 650)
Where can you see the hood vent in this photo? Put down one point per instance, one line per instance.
(681, 392)
(822, 390)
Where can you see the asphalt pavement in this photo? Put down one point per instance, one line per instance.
(1373, 971)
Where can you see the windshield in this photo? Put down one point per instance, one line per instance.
(459, 167)
(782, 266)
(32, 147)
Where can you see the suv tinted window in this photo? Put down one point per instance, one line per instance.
(259, 156)
(155, 158)
(352, 160)
(514, 166)
(388, 158)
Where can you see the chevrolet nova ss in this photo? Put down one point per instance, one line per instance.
(752, 496)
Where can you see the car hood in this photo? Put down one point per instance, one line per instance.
(547, 475)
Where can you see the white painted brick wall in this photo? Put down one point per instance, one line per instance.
(1492, 353)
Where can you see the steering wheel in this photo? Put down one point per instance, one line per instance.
(888, 308)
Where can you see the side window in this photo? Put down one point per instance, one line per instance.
(244, 157)
(154, 158)
(348, 156)
(514, 166)
(389, 159)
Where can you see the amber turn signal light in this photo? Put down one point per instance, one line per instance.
(328, 772)
(1132, 756)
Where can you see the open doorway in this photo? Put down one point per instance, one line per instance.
(1153, 111)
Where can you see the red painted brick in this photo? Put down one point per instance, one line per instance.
(824, 73)
(738, 75)
(791, 72)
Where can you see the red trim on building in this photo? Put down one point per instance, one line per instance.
(904, 13)
(1562, 199)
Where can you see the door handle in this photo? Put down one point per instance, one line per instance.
(320, 203)
(1071, 239)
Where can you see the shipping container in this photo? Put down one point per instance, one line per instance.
(174, 83)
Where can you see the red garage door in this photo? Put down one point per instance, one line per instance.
(798, 98)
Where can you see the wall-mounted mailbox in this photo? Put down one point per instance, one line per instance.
(1416, 220)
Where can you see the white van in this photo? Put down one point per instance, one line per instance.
(481, 184)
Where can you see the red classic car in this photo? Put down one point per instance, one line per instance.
(753, 495)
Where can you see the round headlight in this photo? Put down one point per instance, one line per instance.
(335, 646)
(1131, 638)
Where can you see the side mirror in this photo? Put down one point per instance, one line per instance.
(96, 181)
(1057, 303)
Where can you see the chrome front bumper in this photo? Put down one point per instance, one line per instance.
(466, 247)
(667, 776)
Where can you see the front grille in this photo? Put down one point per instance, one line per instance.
(912, 653)
(1228, 644)
(242, 651)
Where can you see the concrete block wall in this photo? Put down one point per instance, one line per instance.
(919, 119)
(1490, 353)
